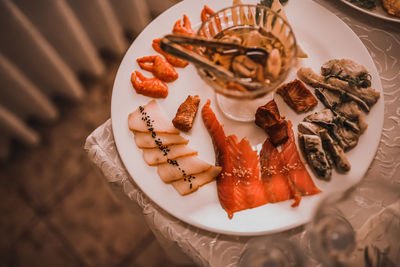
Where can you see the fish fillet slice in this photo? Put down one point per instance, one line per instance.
(156, 156)
(296, 170)
(156, 122)
(276, 184)
(191, 183)
(190, 165)
(239, 186)
(145, 140)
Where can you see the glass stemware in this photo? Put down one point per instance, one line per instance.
(241, 105)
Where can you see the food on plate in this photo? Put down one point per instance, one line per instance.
(160, 68)
(206, 13)
(336, 151)
(252, 67)
(185, 28)
(177, 169)
(344, 87)
(345, 77)
(276, 183)
(345, 132)
(145, 140)
(295, 168)
(174, 61)
(268, 118)
(195, 181)
(276, 5)
(163, 147)
(186, 113)
(141, 121)
(239, 185)
(151, 87)
(392, 7)
(156, 156)
(297, 96)
(315, 155)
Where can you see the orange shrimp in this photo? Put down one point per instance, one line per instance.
(159, 67)
(174, 61)
(185, 29)
(205, 14)
(151, 87)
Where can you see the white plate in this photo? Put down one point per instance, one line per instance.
(378, 12)
(323, 36)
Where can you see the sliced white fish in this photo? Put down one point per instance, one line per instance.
(156, 156)
(181, 167)
(191, 183)
(149, 118)
(146, 140)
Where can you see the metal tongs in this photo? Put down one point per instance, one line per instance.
(171, 44)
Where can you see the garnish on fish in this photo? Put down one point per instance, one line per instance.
(145, 140)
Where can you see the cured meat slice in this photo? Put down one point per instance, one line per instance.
(149, 118)
(191, 183)
(297, 96)
(146, 140)
(159, 155)
(177, 169)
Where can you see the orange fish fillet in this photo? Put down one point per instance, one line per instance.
(296, 171)
(239, 185)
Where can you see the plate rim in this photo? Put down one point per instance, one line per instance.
(387, 17)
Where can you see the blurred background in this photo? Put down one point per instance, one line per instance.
(58, 60)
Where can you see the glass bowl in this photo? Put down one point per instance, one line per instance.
(251, 17)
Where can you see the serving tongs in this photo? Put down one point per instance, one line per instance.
(171, 44)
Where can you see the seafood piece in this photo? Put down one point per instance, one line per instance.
(244, 67)
(309, 128)
(145, 140)
(297, 96)
(316, 157)
(151, 87)
(296, 170)
(174, 61)
(161, 154)
(177, 169)
(239, 185)
(274, 64)
(150, 119)
(335, 150)
(185, 28)
(392, 7)
(276, 183)
(365, 97)
(191, 183)
(206, 13)
(345, 132)
(186, 113)
(268, 118)
(159, 67)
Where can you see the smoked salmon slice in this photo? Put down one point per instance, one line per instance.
(276, 184)
(239, 185)
(296, 171)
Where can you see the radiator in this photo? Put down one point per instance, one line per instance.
(46, 43)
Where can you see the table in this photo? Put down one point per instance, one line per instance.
(382, 39)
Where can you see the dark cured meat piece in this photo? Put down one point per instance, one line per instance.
(297, 96)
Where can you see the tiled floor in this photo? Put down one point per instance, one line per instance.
(55, 207)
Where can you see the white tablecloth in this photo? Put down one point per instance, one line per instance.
(382, 40)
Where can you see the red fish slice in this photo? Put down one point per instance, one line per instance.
(239, 185)
(295, 168)
(276, 184)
